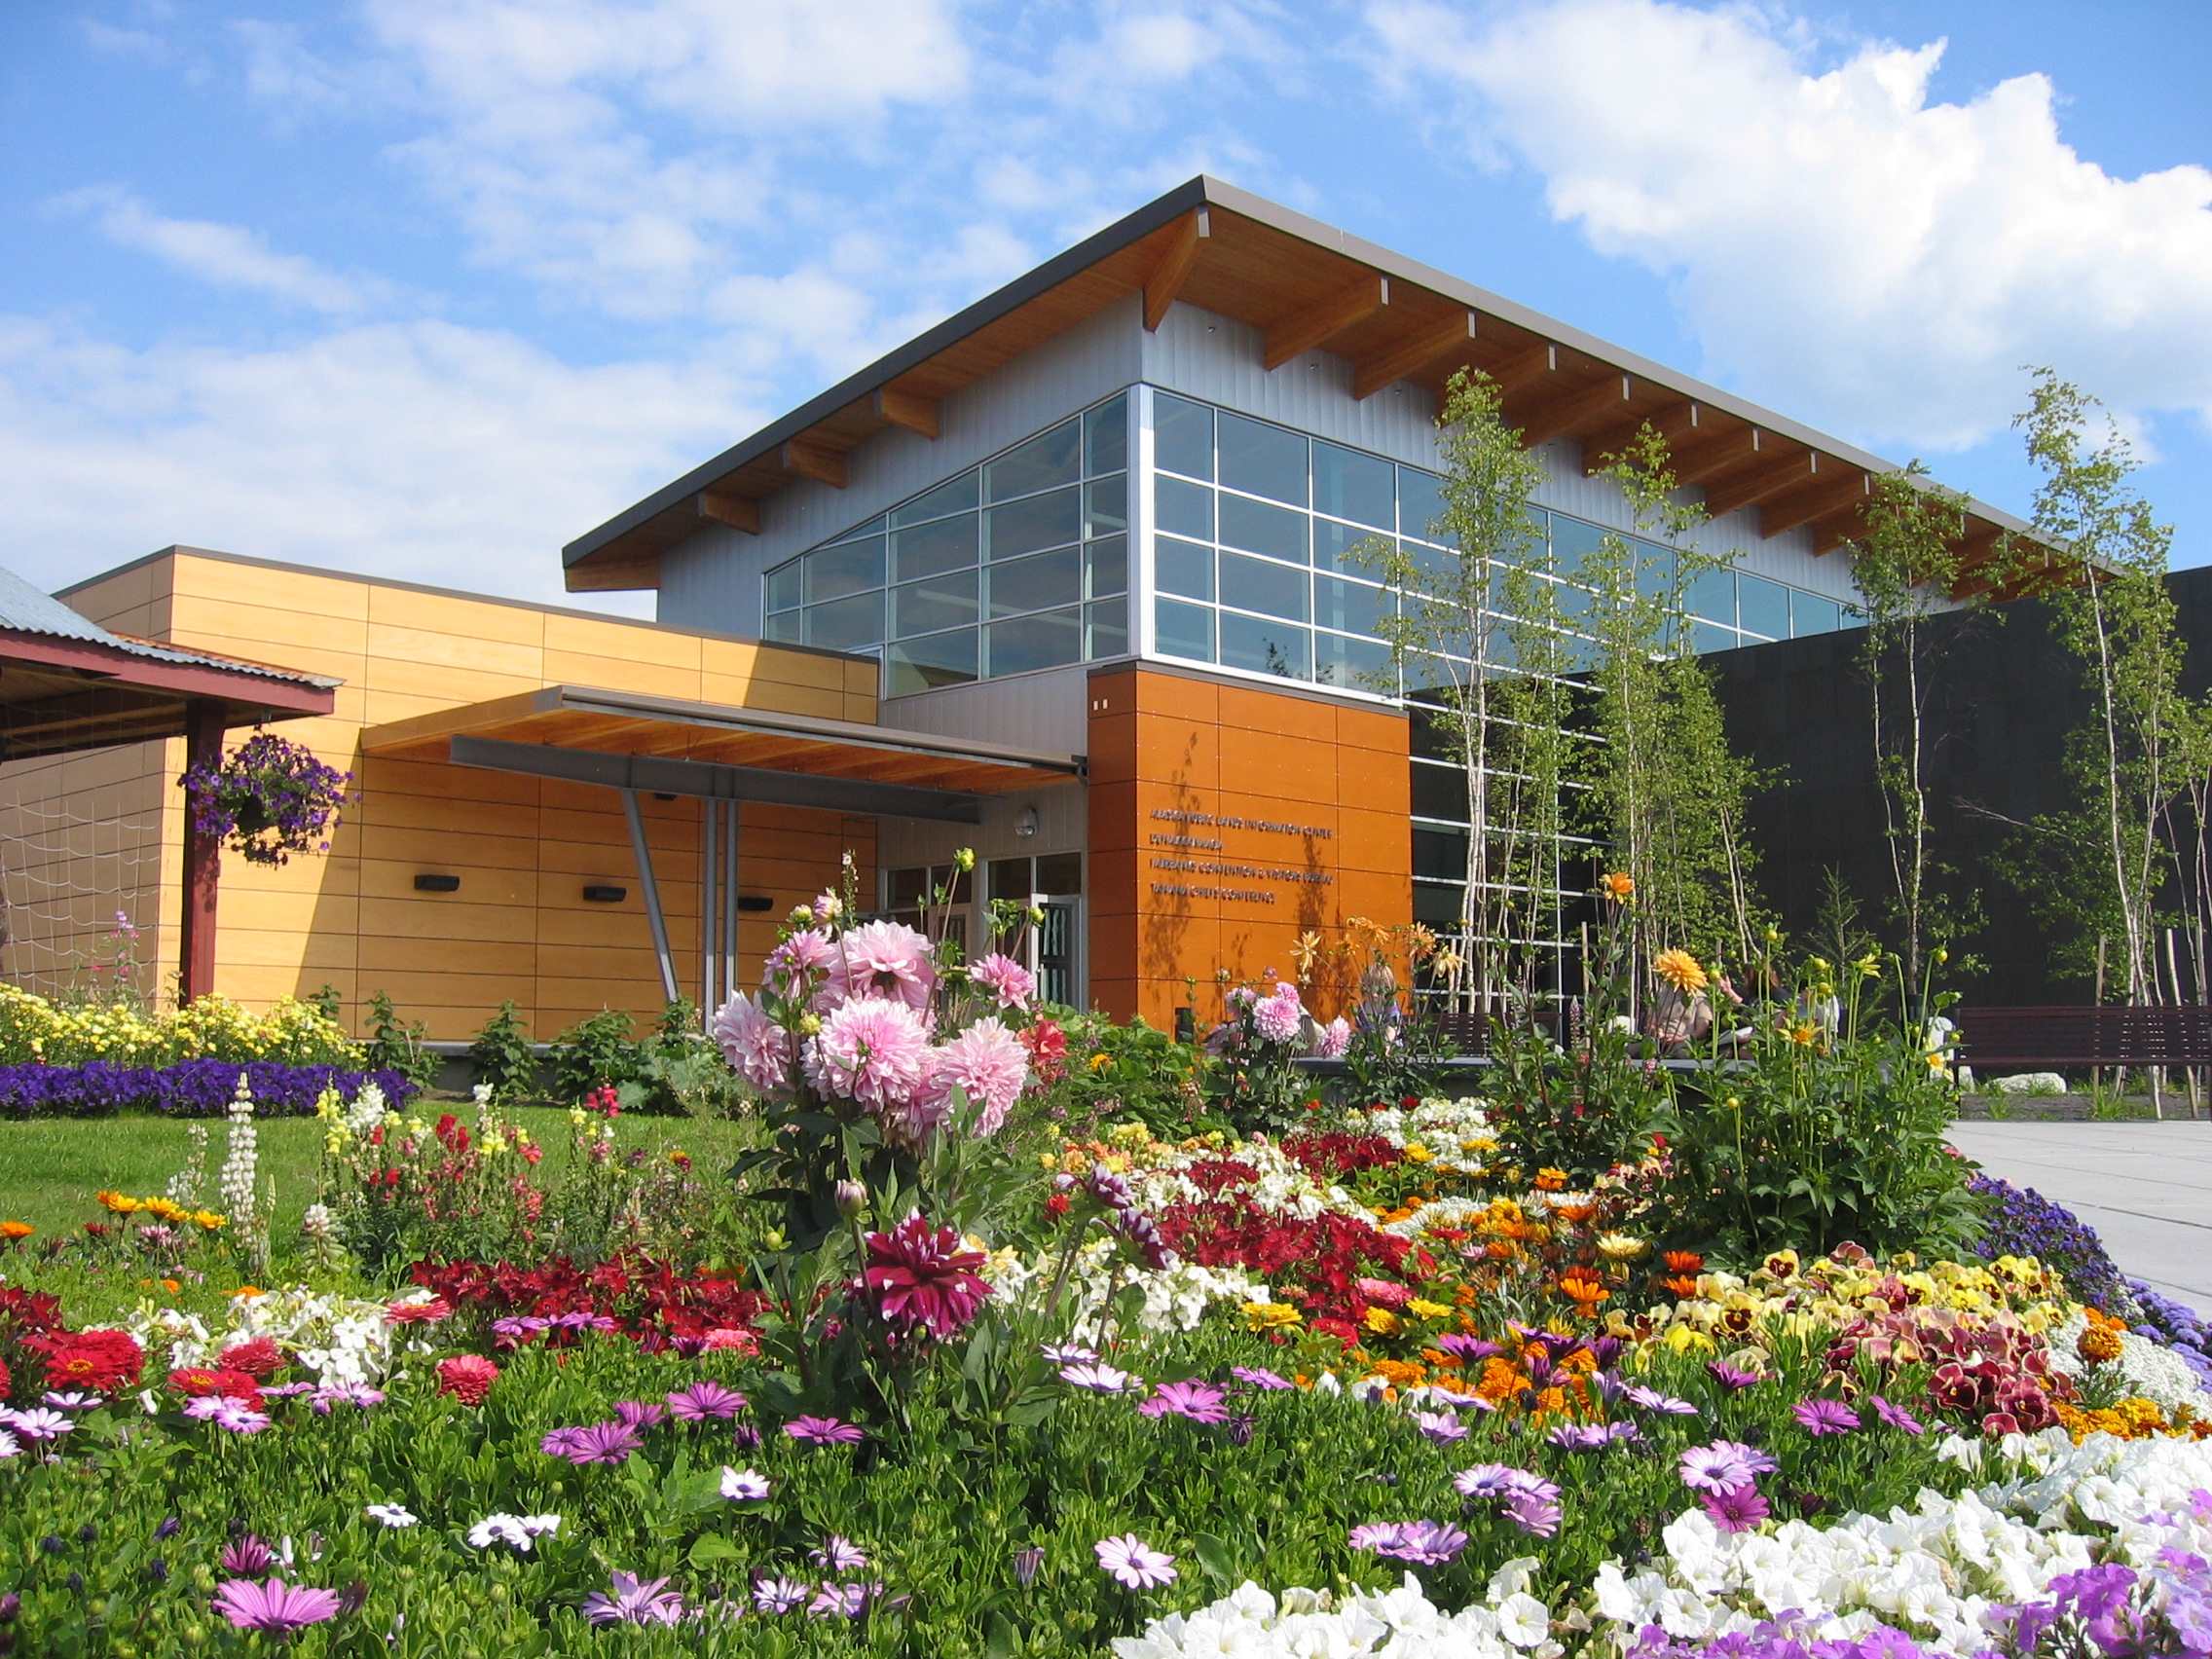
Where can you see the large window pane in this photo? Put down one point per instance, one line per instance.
(1438, 906)
(1421, 503)
(1109, 566)
(1108, 627)
(1440, 852)
(924, 607)
(1260, 527)
(1762, 606)
(1182, 566)
(1009, 879)
(1182, 436)
(942, 659)
(1042, 521)
(1262, 460)
(1710, 597)
(1654, 569)
(1061, 875)
(1108, 504)
(1352, 606)
(1182, 630)
(1254, 584)
(1573, 542)
(1033, 643)
(1809, 614)
(1183, 509)
(1106, 433)
(1707, 638)
(924, 552)
(1036, 582)
(1355, 485)
(787, 626)
(844, 568)
(1045, 459)
(1333, 546)
(951, 497)
(846, 623)
(786, 585)
(1440, 791)
(1356, 663)
(1265, 648)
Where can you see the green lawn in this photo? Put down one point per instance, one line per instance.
(49, 1168)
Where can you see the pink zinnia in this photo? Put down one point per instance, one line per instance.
(1334, 1040)
(875, 1053)
(467, 1378)
(1280, 1019)
(924, 1277)
(988, 1063)
(727, 1338)
(1008, 980)
(757, 1047)
(880, 959)
(1383, 1293)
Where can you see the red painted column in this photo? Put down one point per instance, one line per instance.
(203, 861)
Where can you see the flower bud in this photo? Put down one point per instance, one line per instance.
(964, 859)
(852, 1199)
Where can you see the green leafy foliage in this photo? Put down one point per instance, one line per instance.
(396, 1046)
(501, 1056)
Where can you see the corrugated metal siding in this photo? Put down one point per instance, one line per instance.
(1048, 711)
(1063, 826)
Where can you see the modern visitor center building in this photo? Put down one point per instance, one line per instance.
(1074, 579)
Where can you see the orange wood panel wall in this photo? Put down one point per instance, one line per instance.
(1314, 792)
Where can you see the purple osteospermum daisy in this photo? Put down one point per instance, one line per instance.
(275, 1606)
(1485, 1480)
(1201, 1402)
(1734, 1509)
(1590, 1436)
(1723, 1464)
(1897, 1417)
(1068, 1353)
(1424, 1543)
(1440, 1426)
(1825, 1416)
(241, 1419)
(641, 1414)
(1136, 1564)
(1467, 1350)
(79, 1402)
(602, 1443)
(345, 1394)
(246, 1555)
(560, 1442)
(292, 1390)
(823, 1431)
(839, 1602)
(1730, 1377)
(704, 1400)
(838, 1555)
(1538, 1517)
(1652, 1400)
(743, 1486)
(779, 1595)
(40, 1424)
(1098, 1379)
(1260, 1377)
(629, 1601)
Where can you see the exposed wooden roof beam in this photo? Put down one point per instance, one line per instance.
(818, 461)
(1302, 330)
(1515, 372)
(1754, 484)
(1417, 350)
(1719, 446)
(1676, 422)
(906, 409)
(1166, 277)
(739, 512)
(1848, 486)
(1547, 420)
(1832, 529)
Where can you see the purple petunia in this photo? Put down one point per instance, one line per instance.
(276, 1607)
(703, 1401)
(1723, 1464)
(627, 1600)
(823, 1431)
(1736, 1508)
(1825, 1416)
(1201, 1402)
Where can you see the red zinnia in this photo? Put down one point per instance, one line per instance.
(259, 1358)
(923, 1278)
(104, 1362)
(467, 1378)
(199, 1381)
(420, 1312)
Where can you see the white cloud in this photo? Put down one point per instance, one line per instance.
(225, 255)
(1841, 244)
(423, 451)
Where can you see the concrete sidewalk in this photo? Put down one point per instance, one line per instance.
(2145, 1187)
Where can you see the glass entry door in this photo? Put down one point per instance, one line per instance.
(1055, 952)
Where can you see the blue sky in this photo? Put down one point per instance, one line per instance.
(426, 287)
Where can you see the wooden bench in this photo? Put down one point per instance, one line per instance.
(2047, 1039)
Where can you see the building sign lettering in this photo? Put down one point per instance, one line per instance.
(1172, 864)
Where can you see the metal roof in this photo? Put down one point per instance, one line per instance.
(24, 610)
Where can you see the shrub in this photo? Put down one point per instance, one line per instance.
(502, 1058)
(291, 1032)
(598, 1052)
(397, 1047)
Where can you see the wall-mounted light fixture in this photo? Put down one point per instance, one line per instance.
(755, 902)
(437, 884)
(603, 893)
(1027, 825)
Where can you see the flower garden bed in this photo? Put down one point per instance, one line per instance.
(1013, 1335)
(190, 1088)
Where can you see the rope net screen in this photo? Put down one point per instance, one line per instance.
(80, 872)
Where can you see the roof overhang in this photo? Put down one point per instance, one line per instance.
(58, 695)
(722, 751)
(1306, 287)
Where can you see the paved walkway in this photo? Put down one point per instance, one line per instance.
(2145, 1187)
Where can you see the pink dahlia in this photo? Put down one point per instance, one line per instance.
(1279, 1018)
(924, 1277)
(989, 1064)
(1334, 1040)
(880, 959)
(801, 955)
(756, 1046)
(875, 1052)
(1008, 980)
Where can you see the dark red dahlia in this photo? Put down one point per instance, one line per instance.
(924, 1278)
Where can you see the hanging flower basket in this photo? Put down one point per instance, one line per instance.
(269, 799)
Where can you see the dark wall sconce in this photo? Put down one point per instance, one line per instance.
(604, 895)
(437, 884)
(755, 902)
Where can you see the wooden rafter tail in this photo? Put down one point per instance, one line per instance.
(739, 512)
(909, 410)
(1847, 486)
(1174, 266)
(1605, 400)
(1838, 529)
(1422, 349)
(1313, 325)
(816, 461)
(1722, 443)
(1750, 485)
(1677, 422)
(1530, 364)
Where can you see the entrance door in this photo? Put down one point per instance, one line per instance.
(1055, 947)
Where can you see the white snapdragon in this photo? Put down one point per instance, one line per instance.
(242, 1163)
